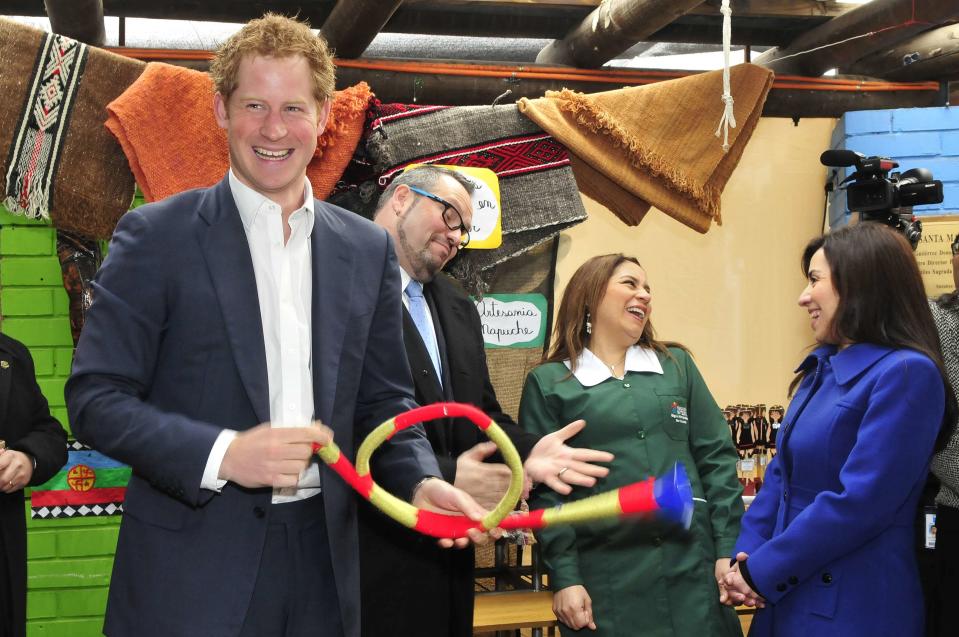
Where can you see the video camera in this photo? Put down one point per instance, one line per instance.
(880, 196)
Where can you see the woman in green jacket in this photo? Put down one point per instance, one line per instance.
(646, 402)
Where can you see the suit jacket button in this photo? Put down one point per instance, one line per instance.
(781, 587)
(424, 372)
(827, 578)
(793, 580)
(258, 512)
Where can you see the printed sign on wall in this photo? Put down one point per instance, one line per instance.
(934, 253)
(513, 320)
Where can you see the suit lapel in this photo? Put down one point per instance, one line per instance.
(450, 314)
(332, 291)
(227, 254)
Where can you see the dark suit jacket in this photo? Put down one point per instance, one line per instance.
(25, 425)
(172, 352)
(436, 596)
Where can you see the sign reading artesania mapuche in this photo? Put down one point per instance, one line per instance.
(513, 320)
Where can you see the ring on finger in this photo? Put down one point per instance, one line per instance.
(562, 471)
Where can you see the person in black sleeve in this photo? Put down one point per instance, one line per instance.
(33, 450)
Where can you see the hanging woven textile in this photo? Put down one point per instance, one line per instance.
(57, 161)
(655, 144)
(538, 192)
(165, 124)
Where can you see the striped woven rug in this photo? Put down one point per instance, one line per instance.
(57, 161)
(539, 197)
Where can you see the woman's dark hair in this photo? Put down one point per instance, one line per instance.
(585, 290)
(881, 298)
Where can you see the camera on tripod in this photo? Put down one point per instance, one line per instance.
(880, 196)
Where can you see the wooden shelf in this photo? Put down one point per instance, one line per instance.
(511, 610)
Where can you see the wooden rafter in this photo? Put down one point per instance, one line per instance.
(468, 84)
(932, 55)
(758, 22)
(859, 32)
(353, 24)
(610, 29)
(81, 20)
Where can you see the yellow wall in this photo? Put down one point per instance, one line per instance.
(730, 295)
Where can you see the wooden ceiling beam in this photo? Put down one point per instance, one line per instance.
(857, 33)
(932, 55)
(353, 24)
(315, 11)
(81, 20)
(757, 22)
(610, 29)
(458, 84)
(787, 98)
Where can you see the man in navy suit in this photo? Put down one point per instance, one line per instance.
(226, 321)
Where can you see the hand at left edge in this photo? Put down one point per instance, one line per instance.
(16, 470)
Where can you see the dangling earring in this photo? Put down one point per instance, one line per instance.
(589, 326)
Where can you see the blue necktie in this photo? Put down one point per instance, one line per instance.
(421, 318)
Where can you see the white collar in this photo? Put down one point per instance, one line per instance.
(592, 371)
(250, 202)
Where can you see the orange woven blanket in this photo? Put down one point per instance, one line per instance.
(655, 144)
(164, 122)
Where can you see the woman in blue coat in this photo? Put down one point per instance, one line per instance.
(827, 547)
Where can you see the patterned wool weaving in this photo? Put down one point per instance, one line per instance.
(57, 161)
(36, 148)
(539, 197)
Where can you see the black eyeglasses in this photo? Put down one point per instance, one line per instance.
(451, 216)
(955, 246)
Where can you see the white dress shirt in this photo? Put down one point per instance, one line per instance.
(284, 284)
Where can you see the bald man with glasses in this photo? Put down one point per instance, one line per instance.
(427, 211)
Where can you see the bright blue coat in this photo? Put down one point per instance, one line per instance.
(830, 535)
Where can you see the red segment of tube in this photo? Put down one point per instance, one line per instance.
(443, 410)
(638, 497)
(444, 526)
(531, 520)
(362, 484)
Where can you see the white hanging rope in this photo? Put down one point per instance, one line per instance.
(729, 119)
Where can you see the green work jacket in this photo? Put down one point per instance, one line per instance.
(644, 577)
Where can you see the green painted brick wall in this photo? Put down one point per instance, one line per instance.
(68, 561)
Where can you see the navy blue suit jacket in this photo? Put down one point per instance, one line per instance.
(172, 352)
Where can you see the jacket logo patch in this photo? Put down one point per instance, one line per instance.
(679, 413)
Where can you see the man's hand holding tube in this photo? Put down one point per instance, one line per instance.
(440, 496)
(266, 456)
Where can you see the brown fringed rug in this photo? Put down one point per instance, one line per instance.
(538, 192)
(165, 124)
(57, 161)
(656, 144)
